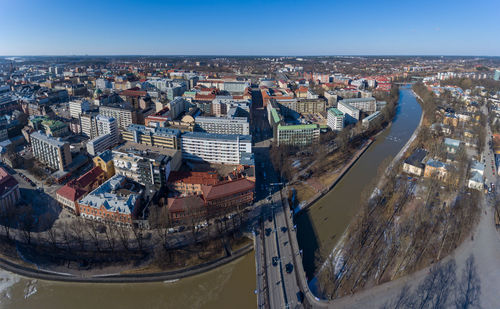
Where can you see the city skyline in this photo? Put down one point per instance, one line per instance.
(253, 28)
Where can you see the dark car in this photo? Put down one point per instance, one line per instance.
(284, 229)
(268, 231)
(270, 219)
(289, 267)
(275, 260)
(300, 296)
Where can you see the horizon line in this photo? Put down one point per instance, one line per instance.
(251, 55)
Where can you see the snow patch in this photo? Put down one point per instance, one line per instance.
(7, 280)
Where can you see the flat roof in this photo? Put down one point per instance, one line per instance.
(275, 115)
(203, 135)
(348, 106)
(356, 100)
(150, 130)
(48, 139)
(128, 146)
(298, 127)
(335, 111)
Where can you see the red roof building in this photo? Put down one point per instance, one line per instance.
(77, 188)
(190, 183)
(186, 210)
(9, 189)
(69, 194)
(228, 195)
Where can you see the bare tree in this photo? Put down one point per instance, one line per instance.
(52, 237)
(92, 229)
(403, 299)
(469, 287)
(124, 236)
(7, 217)
(139, 237)
(110, 234)
(77, 232)
(66, 236)
(27, 223)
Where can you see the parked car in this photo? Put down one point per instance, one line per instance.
(275, 260)
(289, 267)
(268, 231)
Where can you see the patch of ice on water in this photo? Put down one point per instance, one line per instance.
(7, 280)
(30, 288)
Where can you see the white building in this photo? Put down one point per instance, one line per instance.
(335, 119)
(368, 105)
(223, 125)
(50, 151)
(76, 108)
(351, 113)
(108, 125)
(102, 83)
(99, 144)
(216, 148)
(89, 124)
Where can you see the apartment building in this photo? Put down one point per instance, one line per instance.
(50, 151)
(298, 135)
(223, 125)
(123, 114)
(303, 106)
(99, 144)
(215, 148)
(88, 124)
(108, 125)
(351, 113)
(77, 107)
(149, 166)
(161, 137)
(368, 105)
(367, 121)
(335, 119)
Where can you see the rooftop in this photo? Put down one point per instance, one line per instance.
(335, 112)
(157, 131)
(113, 196)
(298, 127)
(48, 139)
(348, 106)
(417, 157)
(227, 188)
(6, 181)
(452, 142)
(213, 136)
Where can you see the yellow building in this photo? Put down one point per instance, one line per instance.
(105, 161)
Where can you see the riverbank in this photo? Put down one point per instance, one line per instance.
(343, 171)
(405, 226)
(42, 274)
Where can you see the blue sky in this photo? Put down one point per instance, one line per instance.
(417, 27)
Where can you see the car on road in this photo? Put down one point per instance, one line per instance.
(284, 229)
(275, 260)
(300, 296)
(268, 231)
(289, 267)
(270, 219)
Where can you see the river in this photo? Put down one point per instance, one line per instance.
(321, 226)
(231, 285)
